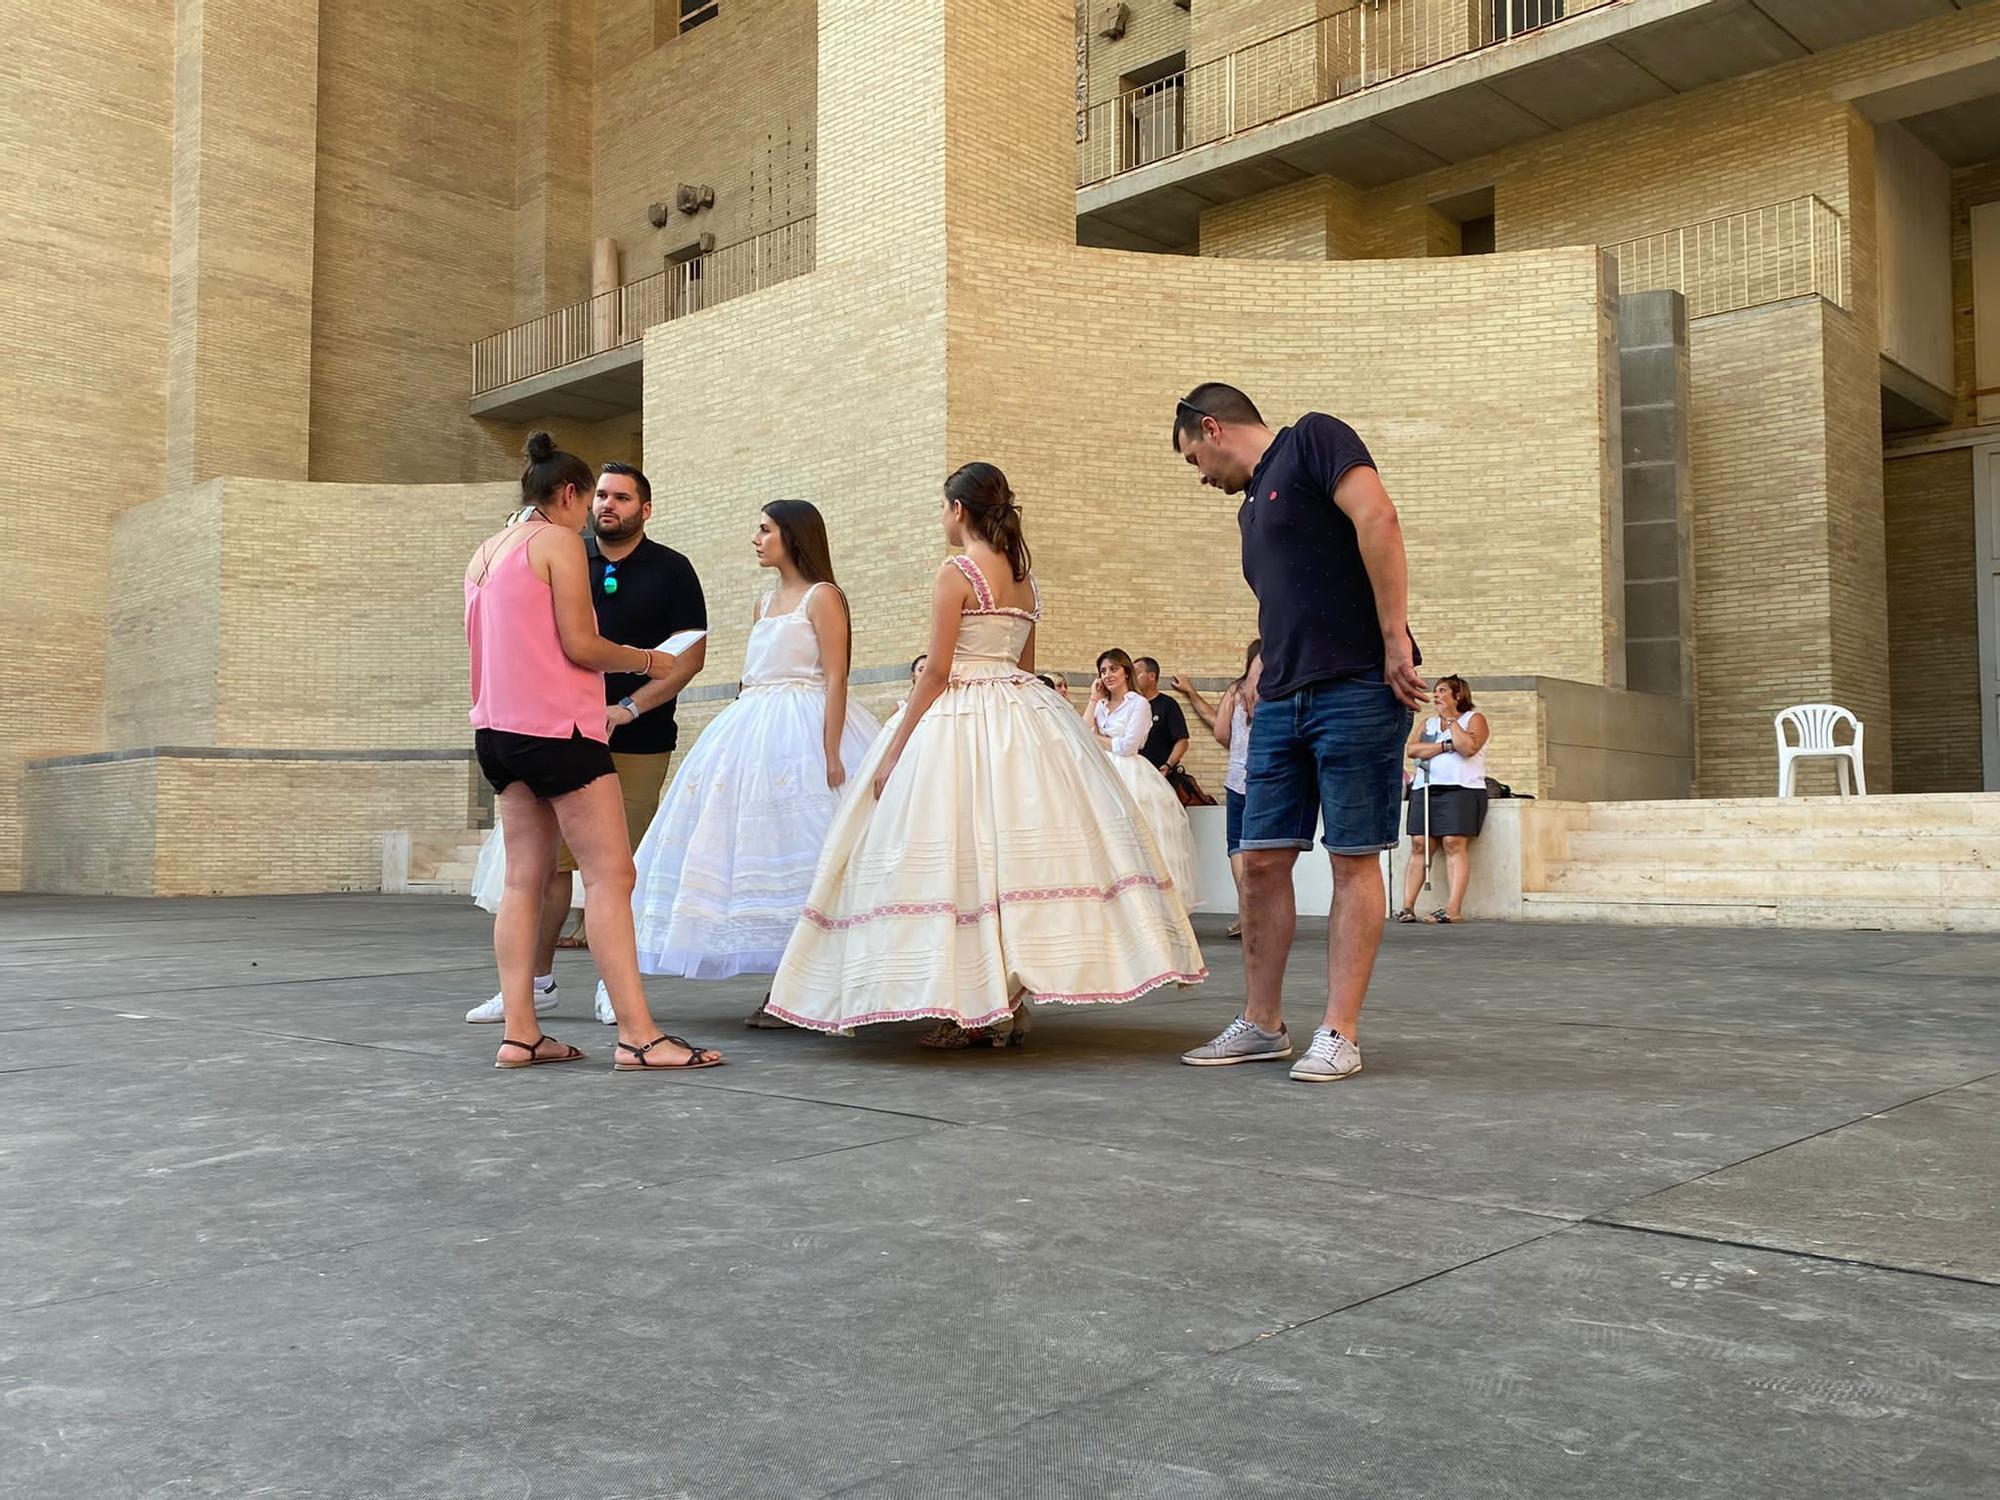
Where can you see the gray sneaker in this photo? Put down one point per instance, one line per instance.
(1241, 1042)
(1330, 1058)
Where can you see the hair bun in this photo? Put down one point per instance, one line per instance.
(541, 448)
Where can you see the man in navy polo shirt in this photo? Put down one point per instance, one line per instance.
(1323, 553)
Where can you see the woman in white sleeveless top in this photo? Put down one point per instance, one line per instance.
(724, 870)
(1450, 751)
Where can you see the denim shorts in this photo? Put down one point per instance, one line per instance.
(1232, 822)
(1331, 753)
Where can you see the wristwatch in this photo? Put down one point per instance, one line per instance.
(630, 707)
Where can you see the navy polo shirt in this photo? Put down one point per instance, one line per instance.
(1315, 605)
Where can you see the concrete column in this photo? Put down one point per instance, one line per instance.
(239, 363)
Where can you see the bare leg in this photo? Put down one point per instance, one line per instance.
(555, 912)
(1236, 874)
(593, 825)
(1413, 875)
(1270, 921)
(1353, 936)
(1458, 858)
(529, 829)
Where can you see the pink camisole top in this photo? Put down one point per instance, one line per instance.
(521, 680)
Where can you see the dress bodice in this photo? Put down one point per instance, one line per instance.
(783, 648)
(991, 637)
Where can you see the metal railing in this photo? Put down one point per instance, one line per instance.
(1792, 249)
(613, 319)
(1367, 42)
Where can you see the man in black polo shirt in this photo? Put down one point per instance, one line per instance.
(643, 593)
(1167, 745)
(1323, 553)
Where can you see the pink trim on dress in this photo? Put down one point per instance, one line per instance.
(982, 593)
(933, 1013)
(971, 917)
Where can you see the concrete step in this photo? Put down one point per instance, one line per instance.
(1956, 813)
(1835, 916)
(1818, 885)
(1839, 848)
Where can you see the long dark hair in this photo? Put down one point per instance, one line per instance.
(991, 513)
(1242, 684)
(803, 531)
(548, 469)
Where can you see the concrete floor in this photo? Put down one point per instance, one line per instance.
(1612, 1212)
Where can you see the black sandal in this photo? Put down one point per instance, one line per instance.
(534, 1051)
(1440, 918)
(1407, 914)
(698, 1057)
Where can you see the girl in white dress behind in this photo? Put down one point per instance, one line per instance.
(1123, 718)
(991, 856)
(727, 862)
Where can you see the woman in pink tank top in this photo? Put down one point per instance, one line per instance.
(539, 732)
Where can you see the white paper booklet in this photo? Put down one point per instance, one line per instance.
(680, 641)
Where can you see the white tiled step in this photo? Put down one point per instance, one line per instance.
(1849, 847)
(1821, 884)
(1960, 814)
(1887, 917)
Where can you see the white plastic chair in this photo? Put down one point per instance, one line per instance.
(1816, 723)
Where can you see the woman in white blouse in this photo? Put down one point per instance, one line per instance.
(1123, 718)
(1450, 751)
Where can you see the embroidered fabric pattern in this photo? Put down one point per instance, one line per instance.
(989, 909)
(982, 593)
(922, 1013)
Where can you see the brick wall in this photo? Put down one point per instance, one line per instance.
(1933, 622)
(185, 824)
(86, 163)
(414, 236)
(267, 614)
(1969, 185)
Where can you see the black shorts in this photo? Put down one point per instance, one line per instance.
(1456, 811)
(547, 767)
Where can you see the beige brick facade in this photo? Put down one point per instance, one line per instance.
(1933, 622)
(255, 374)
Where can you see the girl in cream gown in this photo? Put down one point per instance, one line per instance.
(989, 855)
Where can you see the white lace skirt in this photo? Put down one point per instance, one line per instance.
(724, 869)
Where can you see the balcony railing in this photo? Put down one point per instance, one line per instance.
(1782, 250)
(1368, 42)
(614, 319)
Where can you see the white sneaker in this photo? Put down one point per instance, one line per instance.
(1330, 1058)
(604, 1011)
(495, 1010)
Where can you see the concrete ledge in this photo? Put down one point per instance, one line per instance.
(188, 821)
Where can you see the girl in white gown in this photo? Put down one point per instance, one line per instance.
(725, 866)
(991, 855)
(1123, 719)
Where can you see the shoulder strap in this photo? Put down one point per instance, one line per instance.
(982, 595)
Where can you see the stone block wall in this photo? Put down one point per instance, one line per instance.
(1933, 622)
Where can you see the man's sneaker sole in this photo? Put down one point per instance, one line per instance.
(1324, 1077)
(1241, 1057)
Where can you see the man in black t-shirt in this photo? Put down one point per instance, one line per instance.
(1323, 553)
(1167, 745)
(643, 592)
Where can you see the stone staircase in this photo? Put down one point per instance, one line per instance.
(1900, 863)
(430, 864)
